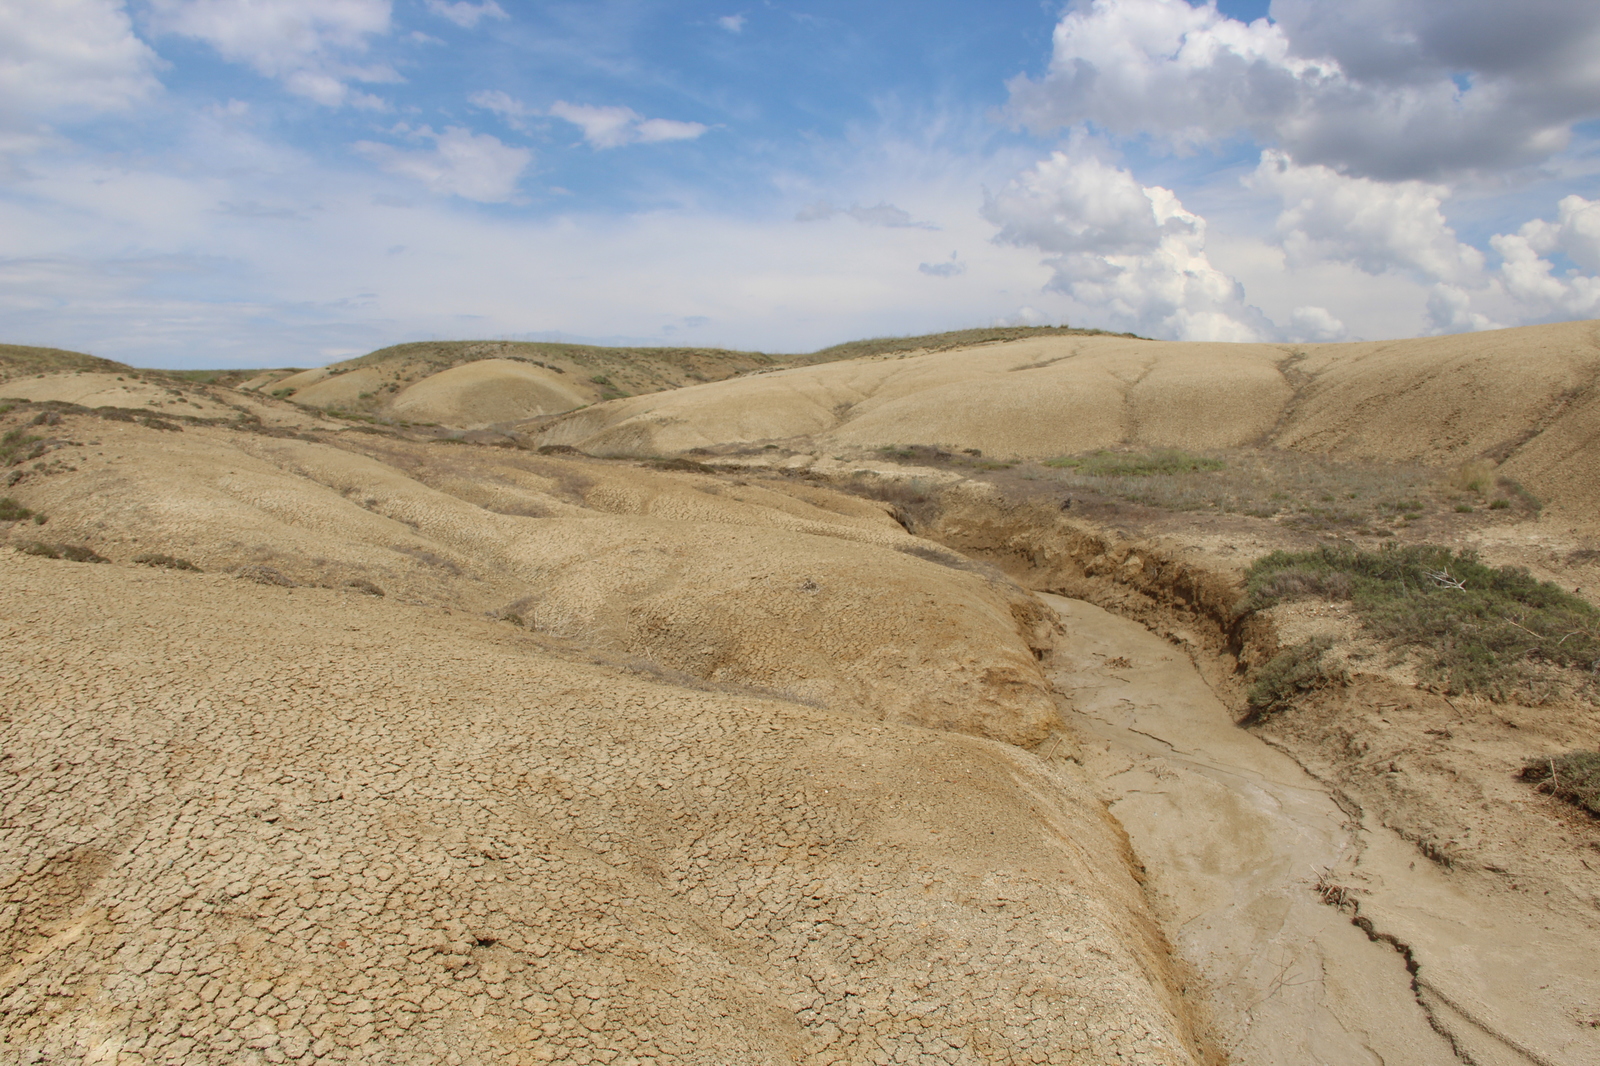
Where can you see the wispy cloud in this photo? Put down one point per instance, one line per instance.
(732, 23)
(879, 214)
(473, 166)
(310, 46)
(612, 127)
(464, 14)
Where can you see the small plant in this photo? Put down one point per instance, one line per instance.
(1500, 504)
(362, 585)
(1574, 777)
(166, 562)
(12, 511)
(1289, 673)
(39, 548)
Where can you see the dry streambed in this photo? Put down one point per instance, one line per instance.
(1316, 935)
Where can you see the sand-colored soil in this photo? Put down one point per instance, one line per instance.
(338, 391)
(1527, 398)
(721, 582)
(245, 823)
(486, 392)
(113, 390)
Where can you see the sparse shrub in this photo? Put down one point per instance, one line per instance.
(1574, 777)
(1500, 504)
(76, 553)
(1514, 490)
(12, 511)
(558, 449)
(18, 447)
(363, 585)
(1463, 508)
(1134, 464)
(678, 462)
(1294, 670)
(1477, 628)
(1476, 476)
(166, 562)
(513, 617)
(914, 501)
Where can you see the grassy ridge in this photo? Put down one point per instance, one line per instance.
(939, 342)
(17, 360)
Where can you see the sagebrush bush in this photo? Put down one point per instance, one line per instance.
(1293, 671)
(1477, 628)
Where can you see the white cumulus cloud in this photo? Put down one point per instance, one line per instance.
(1393, 89)
(732, 23)
(612, 127)
(473, 166)
(1129, 251)
(65, 59)
(464, 14)
(1376, 226)
(309, 45)
(1531, 277)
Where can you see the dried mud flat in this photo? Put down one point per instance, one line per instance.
(248, 823)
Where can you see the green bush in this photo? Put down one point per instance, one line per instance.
(1294, 670)
(1477, 628)
(18, 447)
(1134, 464)
(1574, 777)
(12, 511)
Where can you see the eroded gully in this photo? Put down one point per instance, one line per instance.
(1244, 852)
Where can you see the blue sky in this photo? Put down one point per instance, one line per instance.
(289, 182)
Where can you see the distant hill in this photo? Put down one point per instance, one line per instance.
(20, 360)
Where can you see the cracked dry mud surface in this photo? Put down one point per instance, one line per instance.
(1302, 914)
(256, 824)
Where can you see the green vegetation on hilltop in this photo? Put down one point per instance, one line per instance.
(17, 360)
(1476, 628)
(940, 342)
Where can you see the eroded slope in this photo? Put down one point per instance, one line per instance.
(313, 825)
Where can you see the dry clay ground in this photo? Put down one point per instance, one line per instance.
(623, 766)
(782, 589)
